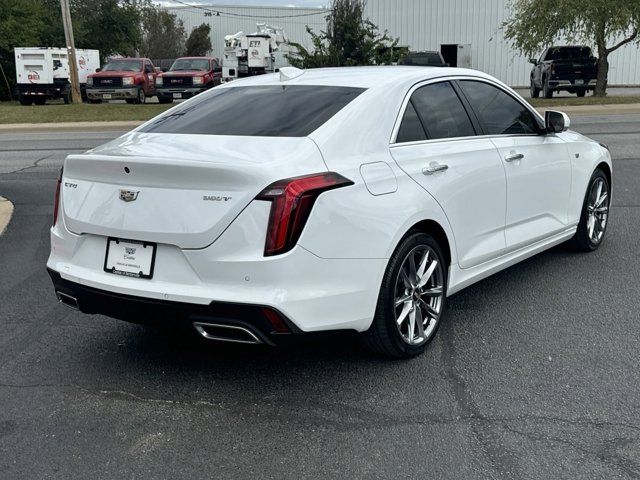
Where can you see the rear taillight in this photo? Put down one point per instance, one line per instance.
(291, 203)
(56, 199)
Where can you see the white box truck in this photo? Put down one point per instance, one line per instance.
(255, 53)
(43, 73)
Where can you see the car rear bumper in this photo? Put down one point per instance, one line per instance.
(254, 319)
(572, 84)
(113, 93)
(314, 294)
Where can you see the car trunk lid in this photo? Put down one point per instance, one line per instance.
(178, 189)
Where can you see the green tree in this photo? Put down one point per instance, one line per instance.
(349, 39)
(199, 41)
(607, 24)
(162, 34)
(20, 26)
(111, 26)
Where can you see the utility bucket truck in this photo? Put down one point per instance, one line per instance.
(254, 54)
(43, 73)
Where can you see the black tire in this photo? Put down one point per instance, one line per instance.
(40, 100)
(165, 100)
(384, 335)
(95, 101)
(582, 240)
(130, 101)
(141, 97)
(581, 93)
(26, 101)
(66, 98)
(548, 93)
(535, 91)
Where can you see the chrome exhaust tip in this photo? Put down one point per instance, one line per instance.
(68, 300)
(227, 333)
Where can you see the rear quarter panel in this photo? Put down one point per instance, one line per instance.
(352, 222)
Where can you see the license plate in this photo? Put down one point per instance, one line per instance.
(177, 95)
(106, 96)
(130, 258)
(579, 82)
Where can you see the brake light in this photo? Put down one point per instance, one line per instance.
(291, 202)
(56, 199)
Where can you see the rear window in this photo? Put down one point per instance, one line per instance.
(569, 53)
(422, 59)
(260, 111)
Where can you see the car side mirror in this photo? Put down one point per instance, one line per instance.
(556, 122)
(164, 69)
(98, 70)
(533, 61)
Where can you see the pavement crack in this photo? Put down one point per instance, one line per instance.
(606, 454)
(35, 164)
(483, 428)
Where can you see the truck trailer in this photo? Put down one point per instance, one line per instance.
(42, 73)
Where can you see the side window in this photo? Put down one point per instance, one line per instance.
(442, 112)
(148, 68)
(499, 112)
(411, 129)
(214, 64)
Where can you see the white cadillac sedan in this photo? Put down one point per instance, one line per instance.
(333, 199)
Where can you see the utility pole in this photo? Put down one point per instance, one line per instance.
(71, 52)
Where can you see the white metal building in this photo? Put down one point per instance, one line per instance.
(468, 32)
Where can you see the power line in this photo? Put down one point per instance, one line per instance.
(247, 15)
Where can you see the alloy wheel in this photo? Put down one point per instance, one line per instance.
(597, 210)
(419, 293)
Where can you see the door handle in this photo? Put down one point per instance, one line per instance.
(512, 157)
(434, 167)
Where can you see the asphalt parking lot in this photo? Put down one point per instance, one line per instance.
(534, 373)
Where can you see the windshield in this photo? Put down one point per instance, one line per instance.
(569, 53)
(123, 65)
(190, 64)
(260, 111)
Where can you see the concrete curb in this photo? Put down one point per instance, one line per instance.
(6, 210)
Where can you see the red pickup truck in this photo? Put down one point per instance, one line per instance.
(187, 77)
(130, 79)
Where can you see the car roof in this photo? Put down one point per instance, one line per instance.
(361, 77)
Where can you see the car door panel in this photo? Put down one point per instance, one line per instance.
(461, 171)
(471, 191)
(538, 187)
(537, 165)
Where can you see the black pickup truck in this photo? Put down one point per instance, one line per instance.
(423, 59)
(570, 68)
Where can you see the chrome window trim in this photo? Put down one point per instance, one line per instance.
(422, 83)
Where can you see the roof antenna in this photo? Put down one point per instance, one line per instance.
(289, 73)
